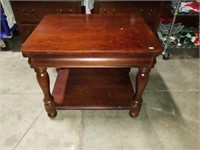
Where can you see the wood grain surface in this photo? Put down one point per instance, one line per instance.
(92, 34)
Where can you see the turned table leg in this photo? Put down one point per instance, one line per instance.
(43, 80)
(142, 79)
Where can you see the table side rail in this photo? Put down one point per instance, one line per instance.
(93, 62)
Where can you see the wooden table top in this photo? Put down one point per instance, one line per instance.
(92, 34)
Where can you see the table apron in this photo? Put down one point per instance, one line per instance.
(92, 62)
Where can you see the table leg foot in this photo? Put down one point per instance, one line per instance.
(135, 109)
(50, 109)
(52, 116)
(142, 79)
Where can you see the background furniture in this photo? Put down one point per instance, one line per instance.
(29, 13)
(150, 10)
(188, 20)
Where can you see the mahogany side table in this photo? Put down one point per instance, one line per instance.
(93, 55)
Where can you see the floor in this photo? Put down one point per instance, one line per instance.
(169, 119)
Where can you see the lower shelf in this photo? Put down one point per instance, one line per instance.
(93, 89)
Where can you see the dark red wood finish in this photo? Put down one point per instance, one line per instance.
(93, 41)
(93, 89)
(92, 34)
